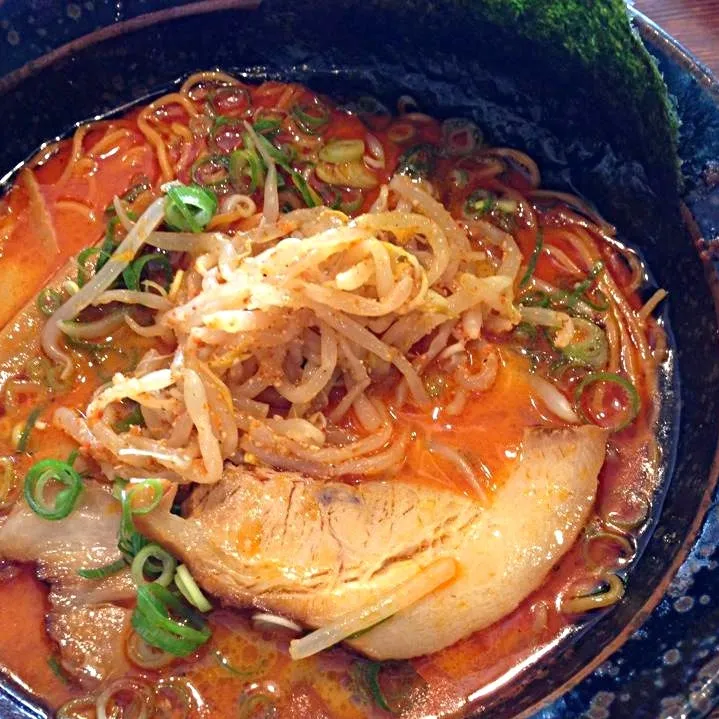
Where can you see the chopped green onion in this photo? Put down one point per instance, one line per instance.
(481, 202)
(246, 172)
(83, 270)
(49, 301)
(211, 171)
(136, 488)
(49, 471)
(140, 653)
(526, 330)
(40, 369)
(135, 191)
(401, 132)
(246, 673)
(107, 248)
(601, 306)
(366, 105)
(93, 330)
(589, 346)
(132, 274)
(610, 378)
(581, 287)
(103, 572)
(532, 264)
(460, 136)
(28, 428)
(350, 206)
(57, 670)
(133, 419)
(353, 174)
(232, 97)
(366, 674)
(142, 564)
(256, 706)
(189, 208)
(152, 621)
(459, 177)
(309, 196)
(507, 206)
(311, 117)
(220, 121)
(336, 151)
(277, 155)
(130, 541)
(187, 585)
(268, 124)
(83, 344)
(418, 161)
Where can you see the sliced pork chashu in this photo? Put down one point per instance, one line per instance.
(316, 550)
(88, 626)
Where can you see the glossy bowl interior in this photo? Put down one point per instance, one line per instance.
(132, 61)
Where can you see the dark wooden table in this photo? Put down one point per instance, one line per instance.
(695, 23)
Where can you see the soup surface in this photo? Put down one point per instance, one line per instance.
(362, 307)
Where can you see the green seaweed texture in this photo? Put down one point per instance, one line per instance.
(568, 81)
(597, 35)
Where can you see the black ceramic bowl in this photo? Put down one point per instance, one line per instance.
(130, 60)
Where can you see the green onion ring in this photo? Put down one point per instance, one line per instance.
(250, 705)
(135, 488)
(82, 259)
(180, 693)
(161, 639)
(349, 207)
(39, 476)
(73, 708)
(625, 384)
(246, 173)
(133, 272)
(153, 551)
(140, 706)
(48, 301)
(217, 167)
(189, 208)
(311, 123)
(187, 586)
(459, 177)
(267, 124)
(144, 655)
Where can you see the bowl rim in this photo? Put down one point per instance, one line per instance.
(651, 33)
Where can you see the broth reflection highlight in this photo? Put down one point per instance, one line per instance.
(309, 410)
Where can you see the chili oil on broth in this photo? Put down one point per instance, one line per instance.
(179, 138)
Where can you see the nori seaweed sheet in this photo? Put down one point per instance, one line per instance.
(568, 81)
